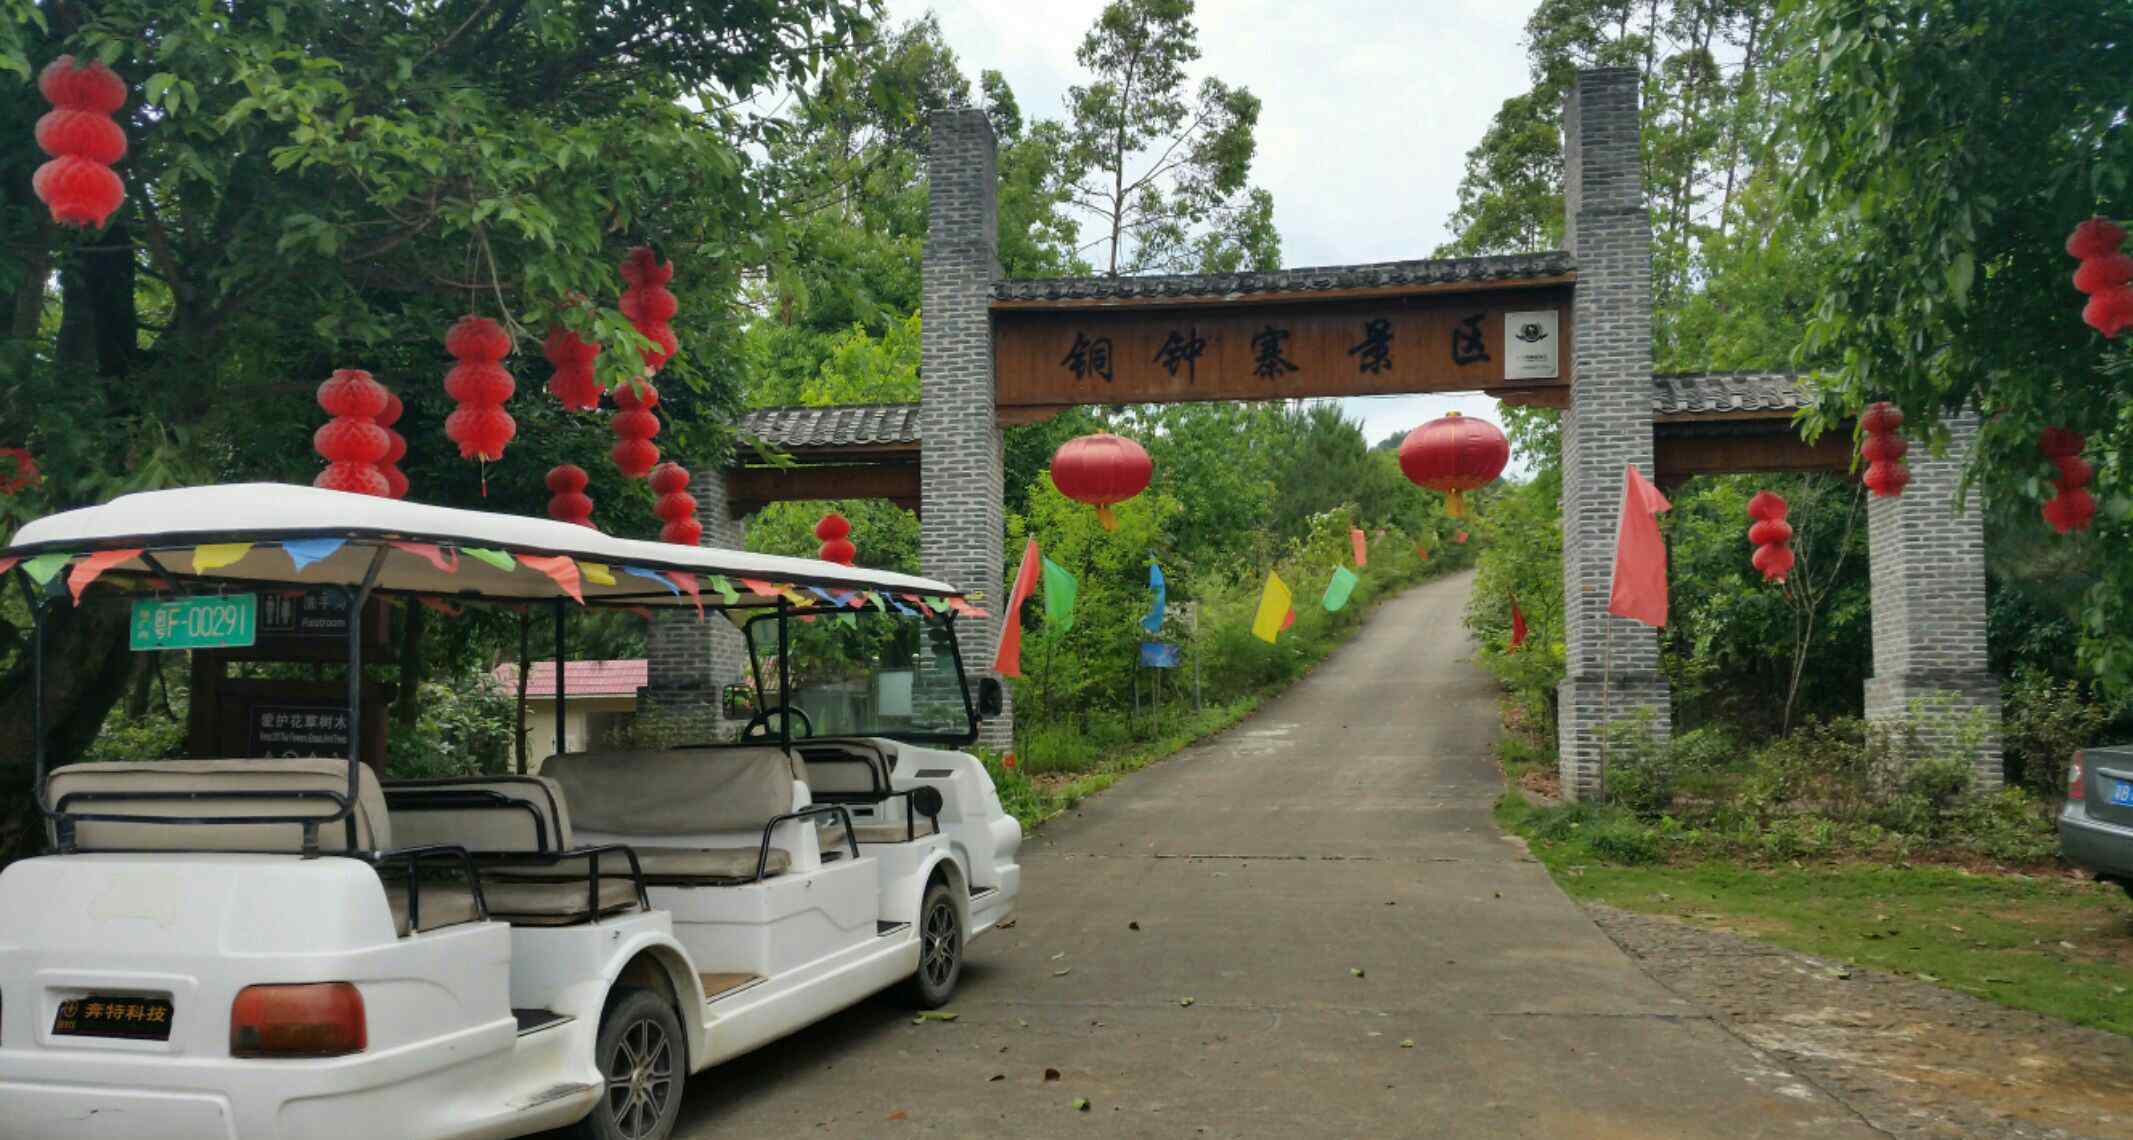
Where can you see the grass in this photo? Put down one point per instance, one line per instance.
(2040, 942)
(1035, 796)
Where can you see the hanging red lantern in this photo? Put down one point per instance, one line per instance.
(1771, 534)
(574, 382)
(21, 468)
(2105, 274)
(1100, 470)
(635, 424)
(351, 442)
(1454, 454)
(836, 547)
(395, 449)
(1884, 450)
(480, 384)
(648, 304)
(568, 501)
(2071, 507)
(674, 505)
(78, 185)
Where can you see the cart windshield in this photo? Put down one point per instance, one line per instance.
(865, 672)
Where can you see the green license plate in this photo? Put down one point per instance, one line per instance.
(114, 1015)
(228, 621)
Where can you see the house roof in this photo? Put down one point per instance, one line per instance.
(580, 678)
(1719, 393)
(844, 425)
(1377, 275)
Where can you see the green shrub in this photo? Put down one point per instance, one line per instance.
(1640, 767)
(2047, 721)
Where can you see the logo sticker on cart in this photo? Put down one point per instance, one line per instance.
(114, 1015)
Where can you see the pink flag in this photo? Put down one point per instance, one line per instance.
(562, 568)
(1640, 554)
(1008, 661)
(1361, 545)
(433, 554)
(89, 569)
(688, 584)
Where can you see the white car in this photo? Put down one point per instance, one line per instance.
(287, 946)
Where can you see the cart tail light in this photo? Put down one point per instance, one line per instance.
(319, 1019)
(2076, 787)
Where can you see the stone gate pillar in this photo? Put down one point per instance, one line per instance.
(961, 524)
(1611, 663)
(1927, 564)
(691, 661)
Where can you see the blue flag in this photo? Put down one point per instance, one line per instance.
(1160, 655)
(1153, 623)
(304, 551)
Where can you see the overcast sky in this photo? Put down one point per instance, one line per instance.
(1369, 108)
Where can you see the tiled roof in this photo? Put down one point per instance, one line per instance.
(1709, 393)
(844, 425)
(1384, 274)
(580, 678)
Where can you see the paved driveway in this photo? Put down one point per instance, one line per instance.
(1344, 827)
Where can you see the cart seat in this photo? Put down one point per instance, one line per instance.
(443, 904)
(707, 866)
(484, 814)
(552, 902)
(695, 816)
(217, 789)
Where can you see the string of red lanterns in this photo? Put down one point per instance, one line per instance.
(2071, 507)
(23, 473)
(481, 427)
(395, 448)
(1884, 450)
(1771, 534)
(78, 184)
(568, 501)
(1101, 470)
(836, 546)
(635, 425)
(648, 304)
(2105, 274)
(675, 506)
(574, 382)
(351, 442)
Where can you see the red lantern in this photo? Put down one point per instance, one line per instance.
(835, 546)
(635, 424)
(566, 485)
(351, 442)
(2105, 274)
(1884, 450)
(674, 505)
(2110, 311)
(574, 382)
(1454, 454)
(1771, 534)
(648, 304)
(1100, 470)
(2097, 237)
(78, 184)
(24, 474)
(479, 382)
(396, 448)
(2071, 507)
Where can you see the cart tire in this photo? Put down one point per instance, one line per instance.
(643, 1061)
(940, 949)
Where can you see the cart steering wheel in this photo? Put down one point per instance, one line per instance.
(761, 721)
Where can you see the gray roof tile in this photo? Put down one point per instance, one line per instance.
(1384, 274)
(843, 425)
(1716, 393)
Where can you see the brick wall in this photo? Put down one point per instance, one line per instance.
(961, 523)
(692, 661)
(1927, 553)
(1612, 663)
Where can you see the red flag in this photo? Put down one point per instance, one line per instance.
(1361, 545)
(1640, 554)
(1518, 624)
(1421, 554)
(1460, 538)
(1007, 662)
(1289, 618)
(91, 568)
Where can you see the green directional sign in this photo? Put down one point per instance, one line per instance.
(228, 621)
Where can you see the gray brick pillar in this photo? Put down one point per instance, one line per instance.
(961, 525)
(1612, 664)
(1927, 562)
(692, 661)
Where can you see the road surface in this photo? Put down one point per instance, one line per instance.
(1343, 827)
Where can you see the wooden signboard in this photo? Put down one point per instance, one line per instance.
(1499, 341)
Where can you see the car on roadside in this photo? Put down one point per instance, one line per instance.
(2096, 825)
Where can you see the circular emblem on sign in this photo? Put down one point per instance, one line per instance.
(1530, 332)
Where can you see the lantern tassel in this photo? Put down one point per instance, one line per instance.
(1455, 504)
(1105, 516)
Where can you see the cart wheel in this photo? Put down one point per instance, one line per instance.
(940, 949)
(642, 1063)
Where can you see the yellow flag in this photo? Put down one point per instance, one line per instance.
(597, 572)
(215, 555)
(1273, 609)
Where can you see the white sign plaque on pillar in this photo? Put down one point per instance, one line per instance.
(1529, 345)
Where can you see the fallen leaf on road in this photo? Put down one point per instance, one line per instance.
(1185, 1001)
(1058, 956)
(1051, 1074)
(1081, 1104)
(1355, 971)
(1021, 1024)
(933, 1015)
(899, 1114)
(996, 1077)
(1062, 973)
(1407, 1043)
(1008, 925)
(1133, 926)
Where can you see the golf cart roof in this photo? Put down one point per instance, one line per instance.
(300, 536)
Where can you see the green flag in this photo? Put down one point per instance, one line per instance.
(496, 558)
(1339, 588)
(44, 566)
(1059, 590)
(726, 592)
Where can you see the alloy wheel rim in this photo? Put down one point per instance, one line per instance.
(640, 1079)
(941, 944)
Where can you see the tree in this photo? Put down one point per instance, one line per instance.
(1950, 146)
(1163, 168)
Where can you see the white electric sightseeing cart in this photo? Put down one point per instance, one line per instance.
(292, 947)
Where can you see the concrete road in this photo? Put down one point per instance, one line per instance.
(1344, 827)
